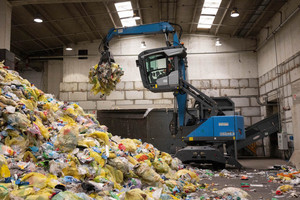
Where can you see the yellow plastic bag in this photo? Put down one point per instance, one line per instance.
(23, 191)
(30, 104)
(71, 170)
(100, 135)
(135, 194)
(29, 156)
(160, 166)
(44, 131)
(4, 170)
(146, 173)
(67, 138)
(36, 179)
(188, 188)
(185, 172)
(97, 157)
(129, 144)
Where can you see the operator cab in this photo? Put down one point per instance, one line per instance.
(160, 68)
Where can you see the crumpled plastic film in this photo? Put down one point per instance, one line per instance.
(105, 78)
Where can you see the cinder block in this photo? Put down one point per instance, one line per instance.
(116, 95)
(151, 95)
(269, 87)
(90, 87)
(120, 86)
(124, 102)
(138, 85)
(263, 111)
(211, 92)
(289, 128)
(255, 120)
(272, 95)
(241, 102)
(287, 114)
(247, 121)
(243, 83)
(64, 96)
(143, 102)
(249, 91)
(230, 92)
(134, 94)
(168, 95)
(286, 78)
(77, 96)
(266, 77)
(275, 83)
(224, 83)
(87, 105)
(196, 83)
(250, 111)
(234, 83)
(215, 83)
(253, 82)
(129, 85)
(92, 96)
(68, 87)
(82, 87)
(205, 84)
(262, 90)
(287, 90)
(163, 101)
(253, 102)
(103, 105)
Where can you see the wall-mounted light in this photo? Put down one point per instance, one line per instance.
(38, 19)
(143, 44)
(234, 12)
(69, 48)
(218, 42)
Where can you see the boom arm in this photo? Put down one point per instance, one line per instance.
(161, 28)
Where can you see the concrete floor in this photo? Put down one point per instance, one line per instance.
(261, 163)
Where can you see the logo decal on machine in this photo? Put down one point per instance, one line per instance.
(223, 124)
(227, 134)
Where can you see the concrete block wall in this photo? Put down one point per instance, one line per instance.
(276, 84)
(132, 95)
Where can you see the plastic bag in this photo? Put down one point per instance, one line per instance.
(135, 194)
(4, 170)
(100, 135)
(129, 144)
(4, 193)
(119, 163)
(35, 179)
(160, 166)
(66, 195)
(186, 175)
(67, 138)
(146, 173)
(18, 120)
(71, 170)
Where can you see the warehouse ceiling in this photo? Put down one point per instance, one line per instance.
(71, 21)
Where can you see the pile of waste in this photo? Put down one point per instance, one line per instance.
(51, 149)
(105, 77)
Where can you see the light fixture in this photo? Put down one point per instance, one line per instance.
(234, 12)
(218, 42)
(69, 48)
(136, 15)
(38, 19)
(143, 44)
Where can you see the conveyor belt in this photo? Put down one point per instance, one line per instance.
(258, 131)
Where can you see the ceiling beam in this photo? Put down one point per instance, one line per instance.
(254, 25)
(110, 15)
(90, 24)
(223, 16)
(28, 2)
(194, 15)
(140, 12)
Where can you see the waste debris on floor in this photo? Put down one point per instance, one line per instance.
(51, 149)
(105, 77)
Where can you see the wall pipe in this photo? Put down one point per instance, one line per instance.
(278, 28)
(119, 55)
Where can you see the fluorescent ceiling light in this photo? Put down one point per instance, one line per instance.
(212, 3)
(123, 6)
(128, 22)
(205, 21)
(69, 48)
(125, 14)
(209, 11)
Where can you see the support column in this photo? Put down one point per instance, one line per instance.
(295, 159)
(5, 24)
